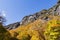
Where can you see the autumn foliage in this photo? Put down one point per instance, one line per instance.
(52, 31)
(37, 30)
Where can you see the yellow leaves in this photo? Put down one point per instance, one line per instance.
(32, 32)
(29, 31)
(52, 22)
(23, 36)
(35, 37)
(20, 36)
(13, 33)
(37, 30)
(54, 33)
(52, 29)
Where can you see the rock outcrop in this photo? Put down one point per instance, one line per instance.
(55, 10)
(12, 26)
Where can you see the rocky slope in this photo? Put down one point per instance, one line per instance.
(12, 26)
(55, 10)
(44, 15)
(44, 27)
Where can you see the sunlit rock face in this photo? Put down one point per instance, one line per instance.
(24, 20)
(55, 10)
(58, 10)
(32, 18)
(28, 19)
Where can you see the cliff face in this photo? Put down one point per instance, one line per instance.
(12, 26)
(44, 15)
(53, 11)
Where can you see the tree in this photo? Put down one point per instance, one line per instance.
(52, 31)
(2, 18)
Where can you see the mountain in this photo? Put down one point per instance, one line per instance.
(44, 15)
(53, 11)
(43, 25)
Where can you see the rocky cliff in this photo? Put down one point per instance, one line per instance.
(44, 15)
(12, 26)
(43, 25)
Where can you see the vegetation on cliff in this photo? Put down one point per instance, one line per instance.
(39, 30)
(43, 25)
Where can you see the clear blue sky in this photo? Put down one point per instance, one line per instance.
(17, 9)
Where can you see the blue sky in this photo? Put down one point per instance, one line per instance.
(15, 10)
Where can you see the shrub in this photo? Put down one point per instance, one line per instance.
(52, 31)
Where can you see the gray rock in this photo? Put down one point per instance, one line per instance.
(12, 26)
(32, 18)
(55, 10)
